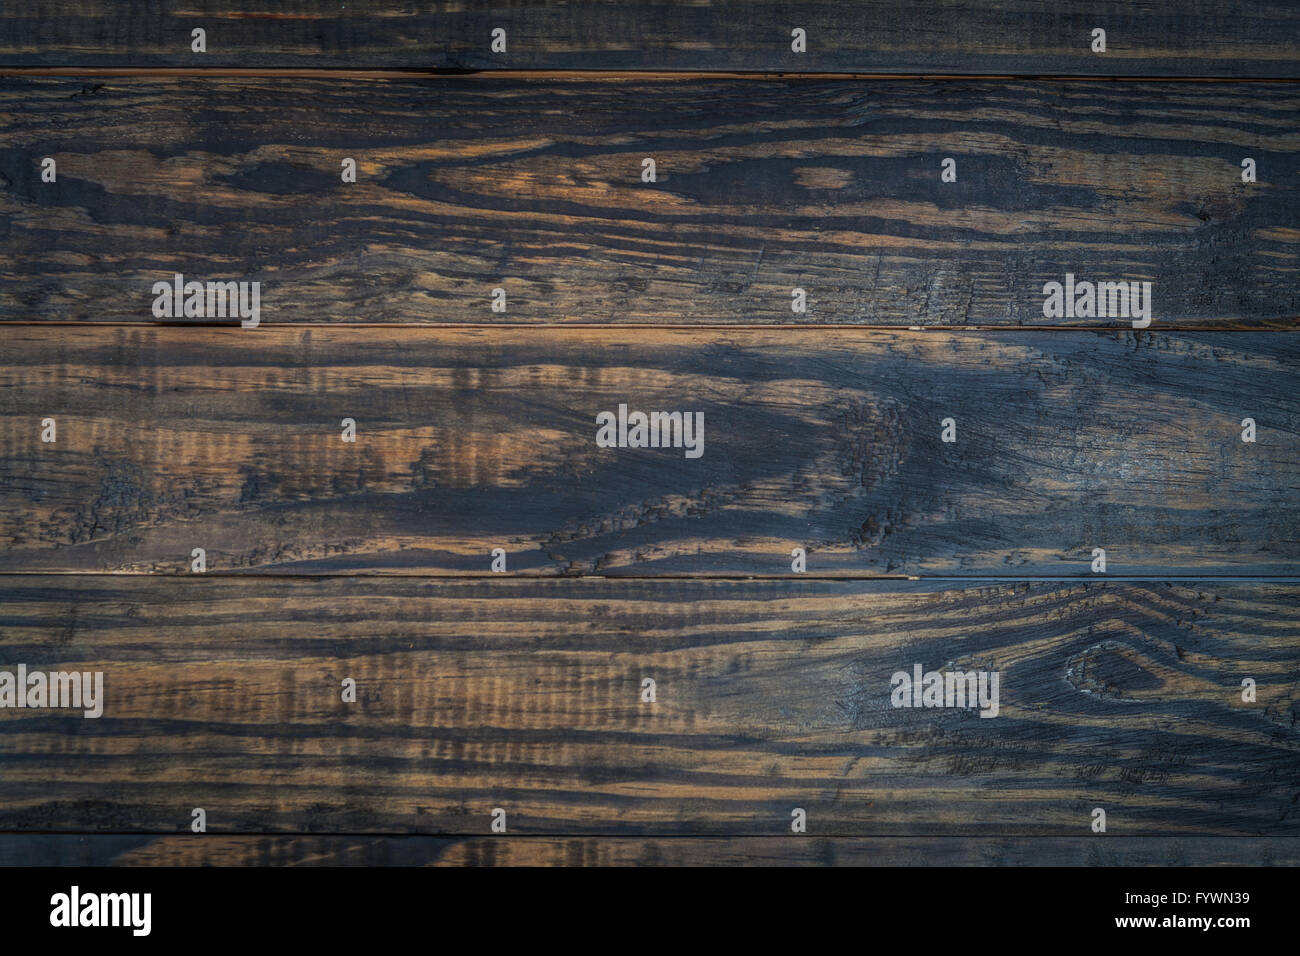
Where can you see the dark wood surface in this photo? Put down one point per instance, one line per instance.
(1193, 37)
(534, 186)
(317, 850)
(224, 694)
(171, 439)
(475, 430)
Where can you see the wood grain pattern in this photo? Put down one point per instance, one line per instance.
(533, 186)
(271, 850)
(224, 694)
(521, 691)
(468, 440)
(1198, 37)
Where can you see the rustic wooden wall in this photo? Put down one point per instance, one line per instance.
(534, 185)
(371, 560)
(1194, 37)
(269, 850)
(826, 439)
(224, 694)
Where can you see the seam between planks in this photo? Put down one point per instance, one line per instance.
(1282, 325)
(694, 835)
(801, 576)
(609, 75)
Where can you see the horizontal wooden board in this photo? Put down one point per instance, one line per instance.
(230, 440)
(535, 187)
(270, 850)
(224, 694)
(1197, 37)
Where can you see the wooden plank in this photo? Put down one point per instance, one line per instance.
(534, 186)
(224, 694)
(272, 850)
(172, 439)
(1198, 37)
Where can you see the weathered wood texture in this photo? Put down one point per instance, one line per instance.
(1199, 37)
(268, 850)
(170, 439)
(525, 695)
(534, 186)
